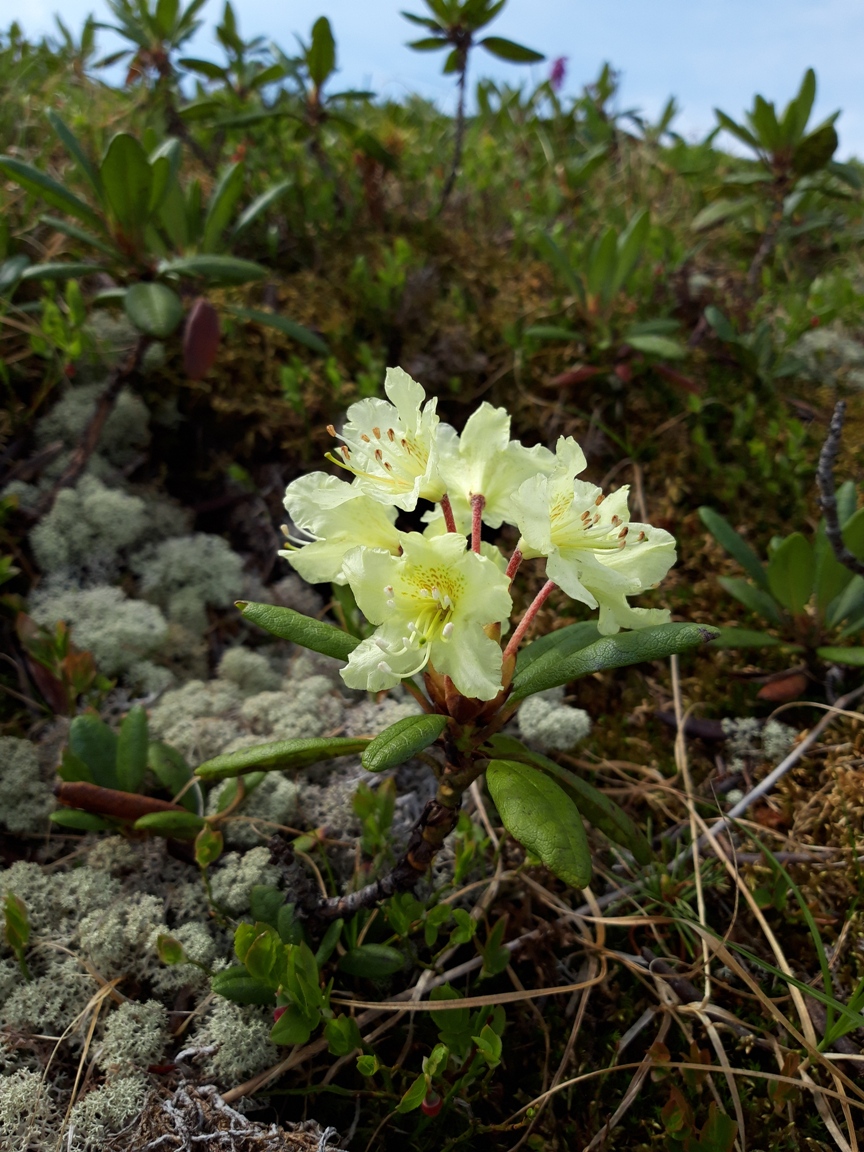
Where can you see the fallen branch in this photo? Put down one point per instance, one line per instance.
(827, 493)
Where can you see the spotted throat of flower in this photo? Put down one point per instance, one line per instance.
(386, 457)
(432, 622)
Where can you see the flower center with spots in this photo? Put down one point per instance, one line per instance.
(429, 596)
(391, 457)
(590, 528)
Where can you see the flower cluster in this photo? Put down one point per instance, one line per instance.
(438, 598)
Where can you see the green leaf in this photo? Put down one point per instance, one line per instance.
(73, 146)
(848, 605)
(236, 984)
(208, 846)
(328, 942)
(265, 902)
(303, 630)
(80, 821)
(758, 601)
(749, 638)
(737, 130)
(507, 50)
(602, 266)
(550, 332)
(321, 57)
(798, 110)
(401, 740)
(92, 741)
(203, 68)
(287, 755)
(735, 545)
(631, 244)
(720, 210)
(372, 961)
(153, 308)
(293, 1026)
(790, 573)
(854, 657)
(72, 768)
(49, 190)
(655, 345)
(60, 270)
(489, 1046)
(132, 744)
(764, 119)
(259, 206)
(342, 1035)
(178, 825)
(215, 269)
(553, 255)
(169, 950)
(610, 652)
(281, 324)
(542, 817)
(414, 1097)
(428, 44)
(11, 271)
(564, 641)
(79, 234)
(173, 773)
(596, 807)
(815, 150)
(225, 195)
(127, 178)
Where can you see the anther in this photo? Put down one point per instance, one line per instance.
(640, 537)
(376, 432)
(363, 436)
(385, 667)
(596, 519)
(382, 644)
(391, 435)
(447, 630)
(331, 429)
(616, 520)
(623, 531)
(391, 603)
(599, 499)
(586, 515)
(344, 450)
(388, 465)
(379, 455)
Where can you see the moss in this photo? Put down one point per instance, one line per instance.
(120, 633)
(304, 708)
(25, 799)
(135, 1036)
(50, 1003)
(124, 436)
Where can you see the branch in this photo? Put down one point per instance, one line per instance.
(827, 493)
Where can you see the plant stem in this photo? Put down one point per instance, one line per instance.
(827, 494)
(513, 566)
(460, 126)
(525, 622)
(447, 509)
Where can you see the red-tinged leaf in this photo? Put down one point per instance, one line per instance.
(200, 339)
(576, 376)
(624, 373)
(678, 379)
(787, 687)
(54, 691)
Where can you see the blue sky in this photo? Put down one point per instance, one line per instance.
(716, 54)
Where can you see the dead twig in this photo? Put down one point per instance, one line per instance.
(827, 494)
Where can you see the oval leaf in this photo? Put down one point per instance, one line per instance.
(215, 269)
(851, 656)
(80, 821)
(153, 308)
(790, 573)
(293, 1026)
(401, 740)
(281, 324)
(564, 641)
(304, 630)
(132, 750)
(179, 825)
(542, 817)
(236, 984)
(735, 545)
(200, 339)
(289, 755)
(372, 961)
(507, 50)
(616, 651)
(93, 742)
(127, 179)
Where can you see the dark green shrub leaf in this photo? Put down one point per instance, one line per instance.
(328, 942)
(288, 755)
(756, 599)
(208, 846)
(321, 57)
(815, 150)
(287, 327)
(153, 308)
(179, 825)
(72, 768)
(617, 651)
(414, 1097)
(293, 1026)
(342, 1035)
(173, 773)
(225, 195)
(265, 903)
(303, 630)
(132, 745)
(127, 179)
(49, 190)
(790, 573)
(542, 817)
(748, 638)
(214, 269)
(80, 821)
(854, 657)
(564, 641)
(372, 961)
(236, 984)
(735, 545)
(507, 50)
(93, 742)
(401, 740)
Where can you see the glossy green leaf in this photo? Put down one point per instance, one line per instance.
(328, 942)
(61, 270)
(50, 191)
(153, 308)
(227, 192)
(285, 755)
(259, 206)
(760, 602)
(303, 630)
(173, 773)
(208, 846)
(75, 149)
(321, 57)
(281, 324)
(179, 825)
(293, 1026)
(851, 656)
(127, 179)
(414, 1097)
(213, 268)
(91, 740)
(401, 741)
(564, 642)
(73, 768)
(132, 744)
(749, 638)
(617, 651)
(507, 50)
(735, 545)
(605, 815)
(815, 150)
(372, 961)
(342, 1035)
(790, 573)
(236, 984)
(542, 817)
(652, 345)
(80, 821)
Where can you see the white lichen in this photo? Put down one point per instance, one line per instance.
(249, 671)
(241, 1036)
(25, 798)
(199, 564)
(135, 1036)
(27, 1117)
(121, 939)
(548, 725)
(236, 875)
(274, 801)
(104, 1111)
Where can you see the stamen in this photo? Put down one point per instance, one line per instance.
(447, 630)
(331, 429)
(376, 432)
(388, 465)
(388, 588)
(436, 595)
(640, 537)
(379, 455)
(586, 515)
(391, 603)
(596, 519)
(385, 667)
(623, 531)
(382, 644)
(599, 499)
(616, 520)
(363, 436)
(391, 435)
(344, 450)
